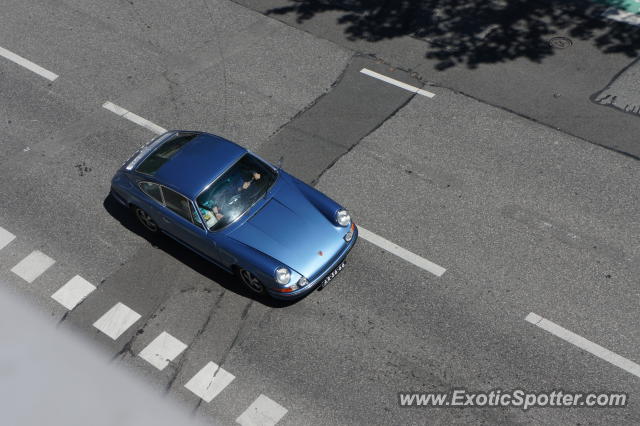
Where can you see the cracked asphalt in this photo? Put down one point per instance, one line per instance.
(528, 210)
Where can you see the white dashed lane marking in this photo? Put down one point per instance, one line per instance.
(73, 292)
(262, 412)
(5, 238)
(209, 381)
(584, 344)
(397, 83)
(393, 248)
(28, 64)
(164, 349)
(118, 110)
(32, 266)
(117, 320)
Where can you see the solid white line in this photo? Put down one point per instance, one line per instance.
(209, 381)
(73, 292)
(162, 350)
(32, 266)
(392, 248)
(584, 344)
(5, 238)
(262, 412)
(117, 320)
(118, 110)
(28, 64)
(395, 82)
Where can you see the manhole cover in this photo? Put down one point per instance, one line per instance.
(560, 42)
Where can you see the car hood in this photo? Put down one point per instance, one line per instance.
(291, 230)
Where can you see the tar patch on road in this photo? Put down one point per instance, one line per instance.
(355, 106)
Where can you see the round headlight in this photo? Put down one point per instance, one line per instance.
(302, 282)
(283, 275)
(343, 218)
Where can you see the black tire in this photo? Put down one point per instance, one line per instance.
(145, 219)
(250, 281)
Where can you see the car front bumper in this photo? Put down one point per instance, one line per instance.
(337, 260)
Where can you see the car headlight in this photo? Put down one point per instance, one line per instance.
(283, 275)
(343, 218)
(302, 282)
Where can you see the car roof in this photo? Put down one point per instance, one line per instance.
(198, 163)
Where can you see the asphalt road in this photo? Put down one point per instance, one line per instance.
(514, 191)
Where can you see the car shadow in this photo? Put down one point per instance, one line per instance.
(194, 261)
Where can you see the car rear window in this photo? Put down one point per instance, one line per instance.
(163, 153)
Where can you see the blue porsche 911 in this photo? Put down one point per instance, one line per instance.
(279, 235)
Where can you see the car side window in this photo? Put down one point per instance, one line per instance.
(177, 203)
(152, 190)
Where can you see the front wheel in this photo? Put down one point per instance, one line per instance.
(250, 281)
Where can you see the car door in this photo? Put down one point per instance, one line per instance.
(181, 222)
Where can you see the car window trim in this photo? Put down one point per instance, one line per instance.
(148, 195)
(200, 225)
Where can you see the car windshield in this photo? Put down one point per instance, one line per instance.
(233, 193)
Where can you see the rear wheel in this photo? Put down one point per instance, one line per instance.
(250, 281)
(146, 220)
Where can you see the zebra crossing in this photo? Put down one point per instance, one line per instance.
(206, 384)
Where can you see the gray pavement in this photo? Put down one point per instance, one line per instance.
(523, 217)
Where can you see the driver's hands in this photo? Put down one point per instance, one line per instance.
(245, 185)
(256, 176)
(217, 212)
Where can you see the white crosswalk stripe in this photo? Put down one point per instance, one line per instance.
(162, 350)
(32, 266)
(5, 237)
(73, 292)
(117, 320)
(209, 381)
(262, 412)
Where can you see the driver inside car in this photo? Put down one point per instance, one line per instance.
(212, 212)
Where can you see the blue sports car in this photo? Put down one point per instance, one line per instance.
(279, 235)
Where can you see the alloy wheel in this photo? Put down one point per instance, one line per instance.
(251, 281)
(146, 220)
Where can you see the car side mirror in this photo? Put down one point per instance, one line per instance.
(280, 161)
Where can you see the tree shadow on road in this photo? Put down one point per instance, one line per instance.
(473, 32)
